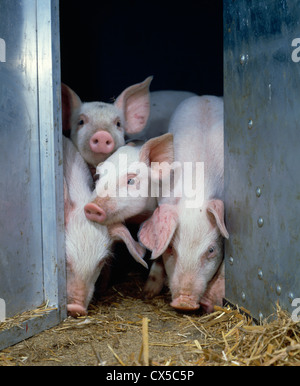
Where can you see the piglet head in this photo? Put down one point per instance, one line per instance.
(190, 242)
(80, 288)
(123, 189)
(96, 128)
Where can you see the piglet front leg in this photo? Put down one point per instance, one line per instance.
(156, 279)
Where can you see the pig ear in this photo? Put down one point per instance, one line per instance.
(216, 207)
(157, 232)
(70, 102)
(159, 149)
(135, 103)
(120, 232)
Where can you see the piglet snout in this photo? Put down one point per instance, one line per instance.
(185, 303)
(76, 310)
(94, 213)
(102, 142)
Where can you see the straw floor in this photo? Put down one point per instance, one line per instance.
(124, 329)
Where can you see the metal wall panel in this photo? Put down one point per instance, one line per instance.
(20, 221)
(262, 153)
(32, 262)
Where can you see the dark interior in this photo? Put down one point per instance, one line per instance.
(107, 46)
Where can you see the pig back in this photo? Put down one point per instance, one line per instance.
(162, 105)
(197, 127)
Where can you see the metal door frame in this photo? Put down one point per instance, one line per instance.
(51, 170)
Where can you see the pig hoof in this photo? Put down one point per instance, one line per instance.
(76, 310)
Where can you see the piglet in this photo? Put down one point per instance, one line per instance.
(88, 244)
(96, 128)
(189, 234)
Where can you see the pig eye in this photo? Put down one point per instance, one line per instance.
(131, 181)
(211, 249)
(118, 124)
(81, 122)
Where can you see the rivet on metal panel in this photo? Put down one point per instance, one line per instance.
(250, 124)
(231, 260)
(260, 274)
(291, 297)
(243, 296)
(258, 191)
(243, 59)
(260, 222)
(270, 92)
(278, 289)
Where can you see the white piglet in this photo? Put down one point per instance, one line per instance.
(190, 237)
(88, 244)
(98, 128)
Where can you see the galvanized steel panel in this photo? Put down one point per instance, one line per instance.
(262, 154)
(32, 262)
(20, 218)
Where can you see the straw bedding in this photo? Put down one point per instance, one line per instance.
(124, 329)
